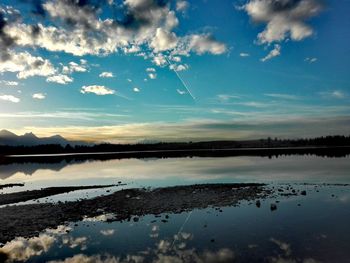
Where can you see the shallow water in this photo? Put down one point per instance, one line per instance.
(310, 228)
(175, 171)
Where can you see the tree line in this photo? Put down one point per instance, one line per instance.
(326, 141)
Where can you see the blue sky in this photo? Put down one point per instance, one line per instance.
(137, 70)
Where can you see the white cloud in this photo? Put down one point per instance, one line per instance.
(106, 75)
(60, 79)
(159, 60)
(182, 5)
(136, 89)
(163, 40)
(283, 19)
(98, 90)
(310, 60)
(244, 54)
(26, 65)
(131, 49)
(83, 32)
(39, 96)
(179, 67)
(9, 83)
(152, 75)
(151, 70)
(86, 31)
(205, 43)
(75, 67)
(275, 52)
(175, 58)
(10, 98)
(181, 92)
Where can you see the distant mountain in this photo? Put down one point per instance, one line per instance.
(30, 139)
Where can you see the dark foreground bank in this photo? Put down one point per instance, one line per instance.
(29, 220)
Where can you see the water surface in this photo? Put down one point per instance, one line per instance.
(310, 228)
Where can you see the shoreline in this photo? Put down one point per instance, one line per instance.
(326, 151)
(29, 220)
(23, 196)
(180, 150)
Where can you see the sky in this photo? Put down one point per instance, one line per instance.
(158, 70)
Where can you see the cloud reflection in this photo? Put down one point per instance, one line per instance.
(21, 249)
(107, 232)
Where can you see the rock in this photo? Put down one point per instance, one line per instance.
(273, 207)
(258, 203)
(303, 192)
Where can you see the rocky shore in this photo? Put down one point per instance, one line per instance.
(29, 220)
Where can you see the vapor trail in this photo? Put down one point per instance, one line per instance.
(182, 81)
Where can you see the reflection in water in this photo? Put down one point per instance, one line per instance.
(165, 172)
(107, 232)
(29, 168)
(22, 249)
(304, 229)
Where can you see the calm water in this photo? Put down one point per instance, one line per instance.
(311, 228)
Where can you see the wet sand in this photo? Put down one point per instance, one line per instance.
(29, 220)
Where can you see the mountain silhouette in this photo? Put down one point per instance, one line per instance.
(29, 139)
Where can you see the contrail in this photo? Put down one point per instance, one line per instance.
(122, 96)
(182, 81)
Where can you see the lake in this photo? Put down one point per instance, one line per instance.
(309, 227)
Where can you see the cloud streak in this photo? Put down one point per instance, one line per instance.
(275, 52)
(199, 130)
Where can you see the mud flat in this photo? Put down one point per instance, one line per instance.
(23, 196)
(29, 220)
